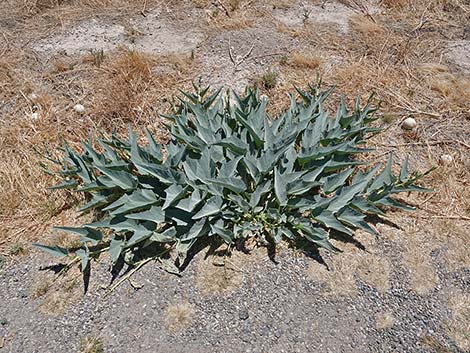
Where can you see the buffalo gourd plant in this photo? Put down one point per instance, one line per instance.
(231, 173)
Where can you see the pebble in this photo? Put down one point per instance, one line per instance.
(409, 124)
(79, 108)
(446, 159)
(243, 314)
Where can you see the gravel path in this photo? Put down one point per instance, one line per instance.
(275, 308)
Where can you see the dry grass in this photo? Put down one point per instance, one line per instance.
(383, 53)
(417, 260)
(422, 272)
(455, 90)
(339, 281)
(91, 344)
(179, 315)
(365, 26)
(133, 86)
(384, 320)
(303, 60)
(459, 325)
(351, 265)
(41, 286)
(30, 8)
(127, 87)
(57, 294)
(217, 275)
(228, 14)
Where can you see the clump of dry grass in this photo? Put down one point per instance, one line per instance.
(135, 85)
(339, 281)
(374, 270)
(126, 89)
(41, 286)
(56, 294)
(18, 248)
(394, 3)
(351, 265)
(179, 315)
(455, 236)
(454, 89)
(304, 60)
(269, 79)
(422, 272)
(384, 320)
(91, 344)
(217, 276)
(366, 26)
(459, 325)
(31, 7)
(59, 295)
(228, 14)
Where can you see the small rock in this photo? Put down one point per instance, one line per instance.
(446, 159)
(243, 314)
(409, 124)
(79, 108)
(3, 321)
(35, 116)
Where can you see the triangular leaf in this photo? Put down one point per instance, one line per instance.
(52, 250)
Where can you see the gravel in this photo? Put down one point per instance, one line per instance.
(276, 308)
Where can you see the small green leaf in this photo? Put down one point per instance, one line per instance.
(115, 248)
(404, 170)
(354, 219)
(198, 229)
(328, 219)
(188, 204)
(335, 181)
(234, 184)
(388, 201)
(280, 188)
(173, 194)
(211, 207)
(84, 257)
(384, 178)
(66, 184)
(86, 234)
(122, 179)
(167, 236)
(225, 234)
(345, 195)
(261, 190)
(154, 214)
(52, 250)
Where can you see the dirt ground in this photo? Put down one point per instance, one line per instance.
(125, 61)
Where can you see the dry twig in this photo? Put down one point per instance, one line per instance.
(238, 60)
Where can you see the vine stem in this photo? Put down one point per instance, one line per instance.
(137, 267)
(129, 274)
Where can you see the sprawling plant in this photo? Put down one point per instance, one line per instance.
(231, 173)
